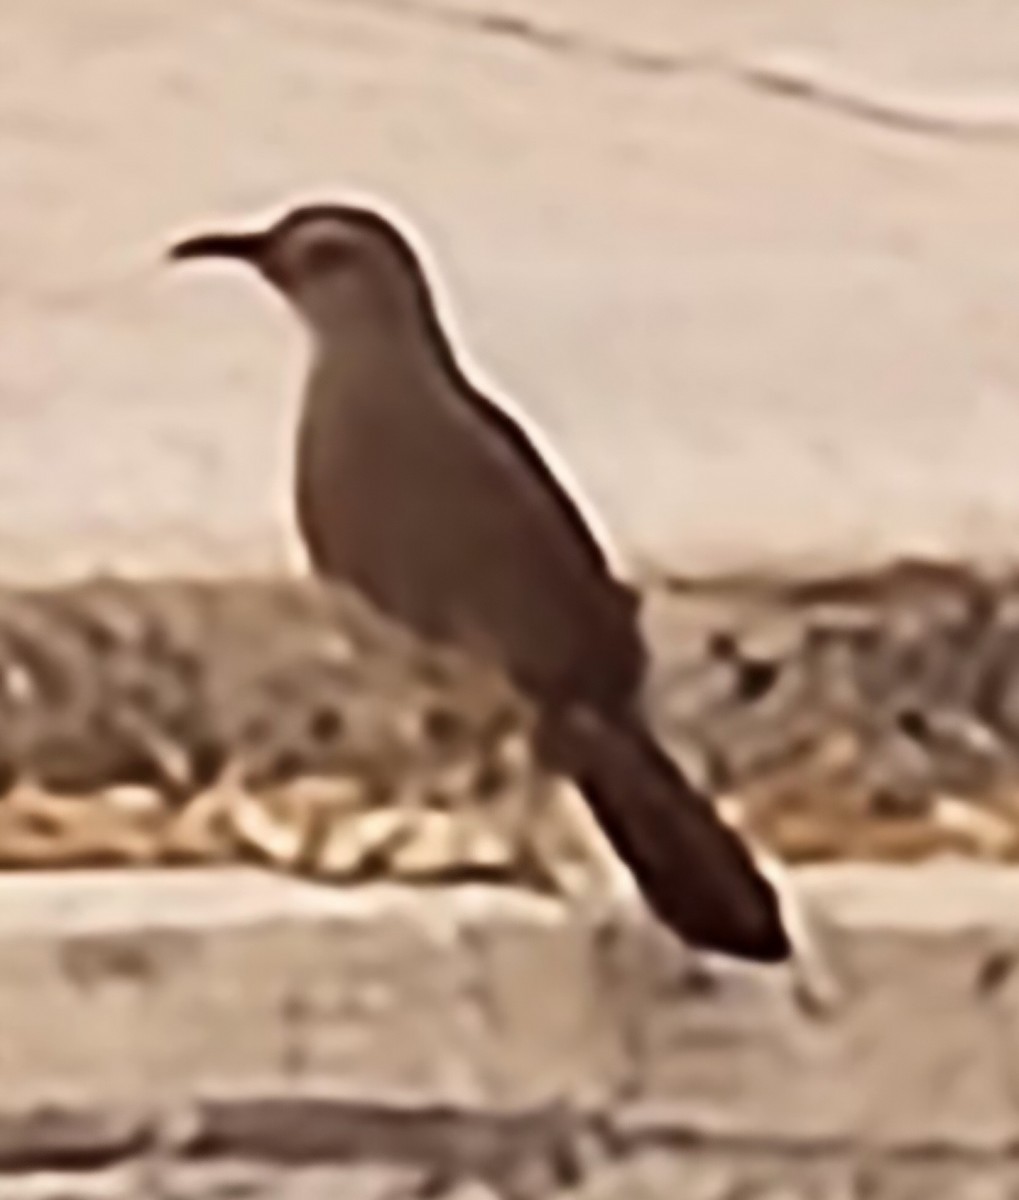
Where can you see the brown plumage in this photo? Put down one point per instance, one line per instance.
(419, 492)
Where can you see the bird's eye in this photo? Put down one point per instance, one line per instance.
(326, 256)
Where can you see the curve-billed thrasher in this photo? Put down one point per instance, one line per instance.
(420, 493)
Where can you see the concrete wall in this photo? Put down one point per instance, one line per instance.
(755, 266)
(228, 1034)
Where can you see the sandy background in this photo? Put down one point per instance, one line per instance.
(755, 267)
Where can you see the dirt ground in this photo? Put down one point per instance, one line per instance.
(867, 717)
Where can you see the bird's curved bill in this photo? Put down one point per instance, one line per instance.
(248, 247)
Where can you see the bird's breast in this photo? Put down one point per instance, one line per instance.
(372, 486)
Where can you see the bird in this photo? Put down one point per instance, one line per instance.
(430, 500)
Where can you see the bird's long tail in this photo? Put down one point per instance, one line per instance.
(693, 870)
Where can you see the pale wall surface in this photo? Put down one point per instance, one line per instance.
(760, 324)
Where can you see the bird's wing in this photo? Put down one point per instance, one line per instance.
(555, 493)
(561, 582)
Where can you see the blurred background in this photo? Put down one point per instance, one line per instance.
(751, 266)
(753, 269)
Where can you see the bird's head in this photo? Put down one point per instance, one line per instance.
(340, 266)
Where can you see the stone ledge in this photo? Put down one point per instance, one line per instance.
(226, 1009)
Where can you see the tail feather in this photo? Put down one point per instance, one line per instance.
(693, 870)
